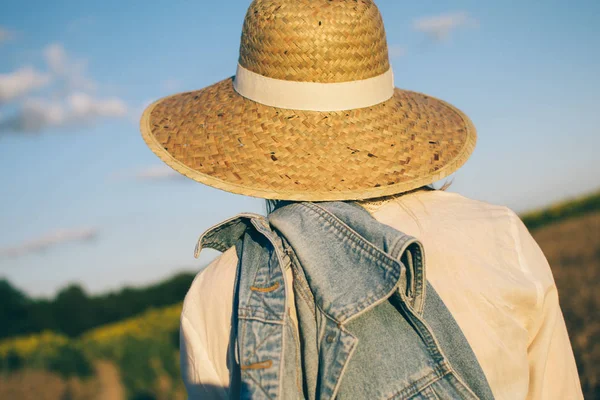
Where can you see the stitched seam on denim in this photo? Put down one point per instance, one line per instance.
(303, 291)
(227, 223)
(353, 348)
(281, 254)
(261, 298)
(462, 387)
(300, 279)
(435, 349)
(310, 304)
(417, 271)
(432, 394)
(296, 337)
(249, 375)
(264, 304)
(265, 230)
(241, 340)
(424, 332)
(420, 284)
(282, 333)
(209, 234)
(428, 337)
(372, 254)
(397, 249)
(321, 328)
(438, 372)
(376, 303)
(422, 280)
(250, 311)
(360, 305)
(241, 324)
(326, 382)
(428, 393)
(277, 244)
(379, 256)
(261, 310)
(259, 319)
(419, 276)
(255, 310)
(270, 333)
(213, 243)
(299, 282)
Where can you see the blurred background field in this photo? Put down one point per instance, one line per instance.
(128, 358)
(73, 347)
(97, 235)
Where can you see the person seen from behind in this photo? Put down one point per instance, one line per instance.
(362, 282)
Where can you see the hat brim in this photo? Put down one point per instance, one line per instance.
(219, 138)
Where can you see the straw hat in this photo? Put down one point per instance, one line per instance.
(312, 113)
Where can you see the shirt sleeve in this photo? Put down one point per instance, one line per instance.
(552, 369)
(197, 370)
(205, 328)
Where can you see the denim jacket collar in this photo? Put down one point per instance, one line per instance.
(388, 270)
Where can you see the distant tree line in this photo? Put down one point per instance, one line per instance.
(72, 311)
(558, 212)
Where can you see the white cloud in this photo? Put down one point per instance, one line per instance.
(56, 58)
(50, 240)
(5, 35)
(84, 106)
(440, 27)
(72, 72)
(20, 83)
(77, 109)
(35, 114)
(70, 100)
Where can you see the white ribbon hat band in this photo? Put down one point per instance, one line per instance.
(314, 96)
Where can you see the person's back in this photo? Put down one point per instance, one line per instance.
(313, 115)
(482, 262)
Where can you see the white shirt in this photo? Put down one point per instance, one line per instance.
(484, 265)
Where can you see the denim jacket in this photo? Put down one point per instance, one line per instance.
(369, 324)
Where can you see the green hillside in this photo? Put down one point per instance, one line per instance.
(72, 311)
(561, 211)
(143, 348)
(74, 341)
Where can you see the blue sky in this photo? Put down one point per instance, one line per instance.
(84, 200)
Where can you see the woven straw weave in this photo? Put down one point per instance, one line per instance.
(217, 137)
(314, 41)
